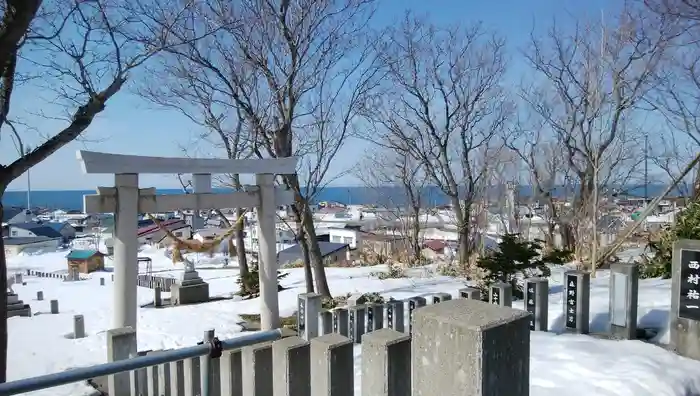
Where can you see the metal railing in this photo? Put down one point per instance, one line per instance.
(212, 349)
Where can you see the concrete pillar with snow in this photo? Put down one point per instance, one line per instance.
(267, 256)
(125, 250)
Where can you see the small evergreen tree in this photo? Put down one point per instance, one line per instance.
(250, 283)
(516, 257)
(686, 226)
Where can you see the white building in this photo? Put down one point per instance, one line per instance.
(15, 246)
(347, 236)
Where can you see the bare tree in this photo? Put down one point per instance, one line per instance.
(671, 155)
(444, 103)
(178, 86)
(82, 51)
(397, 169)
(592, 82)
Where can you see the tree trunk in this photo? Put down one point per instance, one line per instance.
(415, 236)
(3, 302)
(315, 258)
(462, 232)
(240, 242)
(306, 260)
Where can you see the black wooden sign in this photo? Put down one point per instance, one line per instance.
(530, 303)
(495, 295)
(436, 300)
(301, 316)
(351, 324)
(390, 315)
(689, 298)
(336, 318)
(370, 319)
(571, 298)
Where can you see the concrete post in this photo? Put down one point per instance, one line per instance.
(624, 296)
(257, 369)
(466, 348)
(340, 321)
(386, 363)
(357, 299)
(267, 211)
(501, 293)
(413, 304)
(375, 317)
(394, 315)
(325, 322)
(125, 250)
(121, 344)
(157, 297)
(78, 326)
(40, 295)
(356, 323)
(332, 366)
(471, 293)
(537, 302)
(102, 281)
(201, 183)
(231, 373)
(308, 308)
(577, 288)
(54, 306)
(292, 367)
(440, 297)
(684, 317)
(193, 376)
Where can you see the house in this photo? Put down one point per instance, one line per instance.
(17, 245)
(16, 215)
(384, 244)
(85, 261)
(284, 236)
(152, 234)
(334, 254)
(34, 230)
(344, 235)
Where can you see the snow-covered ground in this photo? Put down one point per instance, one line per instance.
(560, 363)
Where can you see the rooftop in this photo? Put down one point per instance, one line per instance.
(81, 254)
(17, 241)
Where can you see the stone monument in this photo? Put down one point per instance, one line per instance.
(684, 318)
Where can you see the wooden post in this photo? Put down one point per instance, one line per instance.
(125, 250)
(269, 303)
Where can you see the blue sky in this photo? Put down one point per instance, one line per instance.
(131, 126)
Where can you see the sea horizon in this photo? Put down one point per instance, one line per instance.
(358, 195)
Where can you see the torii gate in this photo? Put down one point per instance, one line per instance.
(126, 201)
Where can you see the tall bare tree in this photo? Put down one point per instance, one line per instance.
(82, 51)
(397, 169)
(592, 77)
(443, 101)
(179, 86)
(298, 71)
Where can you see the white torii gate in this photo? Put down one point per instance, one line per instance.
(126, 201)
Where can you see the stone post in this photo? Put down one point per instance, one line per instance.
(201, 183)
(467, 348)
(157, 297)
(291, 366)
(375, 317)
(356, 323)
(413, 304)
(125, 250)
(386, 364)
(340, 321)
(577, 287)
(267, 212)
(684, 317)
(332, 366)
(102, 281)
(54, 306)
(257, 370)
(394, 315)
(325, 322)
(440, 297)
(537, 302)
(501, 293)
(121, 344)
(40, 295)
(78, 326)
(471, 293)
(308, 308)
(624, 295)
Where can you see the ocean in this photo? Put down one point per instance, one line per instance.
(383, 196)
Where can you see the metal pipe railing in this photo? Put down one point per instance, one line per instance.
(120, 366)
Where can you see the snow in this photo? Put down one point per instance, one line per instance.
(560, 363)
